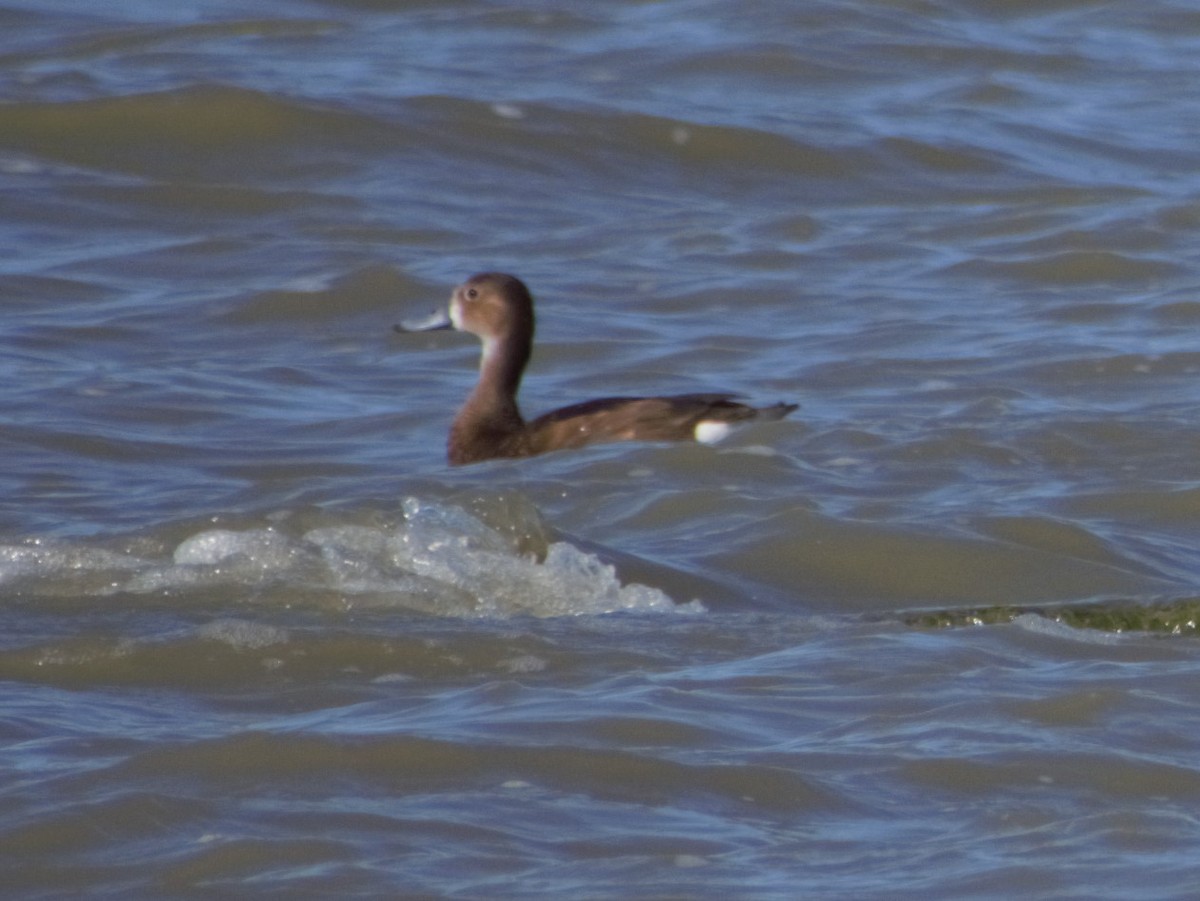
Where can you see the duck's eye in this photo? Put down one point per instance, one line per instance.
(472, 293)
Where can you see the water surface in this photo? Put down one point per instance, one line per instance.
(932, 637)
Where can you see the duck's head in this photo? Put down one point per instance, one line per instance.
(493, 306)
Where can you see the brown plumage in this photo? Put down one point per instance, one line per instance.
(499, 310)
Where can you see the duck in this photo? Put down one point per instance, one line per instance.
(498, 309)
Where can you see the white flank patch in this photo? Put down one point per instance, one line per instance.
(710, 431)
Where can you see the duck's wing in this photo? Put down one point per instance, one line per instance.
(674, 418)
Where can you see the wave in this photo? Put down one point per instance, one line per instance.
(436, 559)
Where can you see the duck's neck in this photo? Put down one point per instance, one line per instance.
(500, 368)
(491, 416)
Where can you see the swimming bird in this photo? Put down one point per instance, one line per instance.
(498, 309)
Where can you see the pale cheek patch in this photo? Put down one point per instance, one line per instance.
(489, 351)
(710, 431)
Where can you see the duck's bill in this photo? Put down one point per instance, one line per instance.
(438, 319)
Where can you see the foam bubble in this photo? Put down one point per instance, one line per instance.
(439, 559)
(216, 545)
(242, 634)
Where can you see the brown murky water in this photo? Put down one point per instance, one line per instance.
(933, 637)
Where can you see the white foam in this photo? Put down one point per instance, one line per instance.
(437, 559)
(15, 165)
(1034, 622)
(308, 284)
(242, 634)
(478, 562)
(508, 111)
(208, 547)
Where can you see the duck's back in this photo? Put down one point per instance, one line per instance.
(682, 417)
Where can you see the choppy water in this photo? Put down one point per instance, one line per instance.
(933, 637)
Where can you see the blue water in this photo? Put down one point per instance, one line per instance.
(931, 637)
